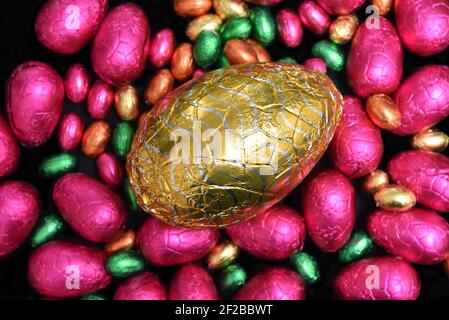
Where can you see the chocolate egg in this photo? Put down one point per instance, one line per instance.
(110, 170)
(191, 282)
(374, 63)
(328, 206)
(273, 234)
(66, 26)
(252, 143)
(77, 83)
(162, 47)
(9, 150)
(121, 46)
(100, 99)
(289, 28)
(340, 7)
(165, 245)
(89, 207)
(145, 286)
(383, 278)
(35, 96)
(70, 132)
(62, 269)
(19, 211)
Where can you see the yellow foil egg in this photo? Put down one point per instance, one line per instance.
(219, 149)
(127, 103)
(222, 255)
(430, 140)
(394, 198)
(343, 28)
(375, 180)
(210, 22)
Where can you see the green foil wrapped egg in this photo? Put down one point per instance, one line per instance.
(236, 28)
(264, 27)
(207, 48)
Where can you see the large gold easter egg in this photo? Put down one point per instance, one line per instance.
(221, 148)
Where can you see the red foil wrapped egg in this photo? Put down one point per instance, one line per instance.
(100, 99)
(162, 47)
(9, 150)
(70, 131)
(62, 269)
(356, 148)
(273, 234)
(328, 206)
(121, 46)
(289, 28)
(167, 245)
(77, 83)
(191, 282)
(89, 207)
(313, 17)
(35, 96)
(383, 278)
(145, 286)
(110, 170)
(340, 7)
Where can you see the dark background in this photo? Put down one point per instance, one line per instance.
(18, 44)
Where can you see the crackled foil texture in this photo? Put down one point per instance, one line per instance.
(274, 121)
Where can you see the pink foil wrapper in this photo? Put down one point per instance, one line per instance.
(316, 64)
(289, 28)
(145, 286)
(9, 150)
(100, 99)
(340, 7)
(162, 48)
(383, 278)
(313, 17)
(77, 83)
(70, 131)
(110, 170)
(191, 282)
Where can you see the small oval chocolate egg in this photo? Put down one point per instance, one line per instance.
(426, 174)
(357, 146)
(162, 47)
(192, 8)
(161, 84)
(289, 28)
(61, 269)
(383, 278)
(70, 132)
(110, 170)
(417, 235)
(328, 206)
(266, 136)
(423, 25)
(191, 282)
(313, 17)
(19, 211)
(394, 198)
(145, 286)
(430, 140)
(374, 63)
(66, 26)
(89, 207)
(9, 150)
(423, 99)
(77, 83)
(275, 283)
(165, 245)
(182, 62)
(340, 7)
(35, 96)
(96, 138)
(121, 46)
(273, 234)
(100, 99)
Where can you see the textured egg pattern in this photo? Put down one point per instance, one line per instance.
(145, 286)
(191, 282)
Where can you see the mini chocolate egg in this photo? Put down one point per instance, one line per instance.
(145, 286)
(9, 150)
(339, 7)
(289, 28)
(191, 282)
(77, 83)
(162, 47)
(313, 17)
(70, 132)
(100, 99)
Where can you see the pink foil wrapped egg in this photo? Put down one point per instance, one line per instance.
(162, 48)
(9, 150)
(383, 278)
(62, 269)
(100, 99)
(423, 99)
(191, 282)
(121, 46)
(145, 286)
(167, 245)
(313, 17)
(426, 174)
(316, 64)
(374, 63)
(289, 28)
(66, 26)
(110, 170)
(329, 209)
(417, 235)
(70, 131)
(340, 7)
(276, 283)
(19, 211)
(423, 25)
(77, 83)
(35, 96)
(356, 148)
(89, 207)
(273, 234)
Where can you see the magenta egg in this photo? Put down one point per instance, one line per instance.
(145, 286)
(426, 174)
(316, 64)
(374, 63)
(19, 211)
(191, 282)
(89, 207)
(162, 47)
(77, 83)
(313, 17)
(383, 278)
(329, 209)
(34, 101)
(167, 245)
(9, 150)
(110, 170)
(121, 46)
(273, 234)
(356, 148)
(423, 99)
(70, 131)
(417, 235)
(340, 7)
(275, 283)
(289, 28)
(423, 25)
(62, 269)
(66, 26)
(100, 99)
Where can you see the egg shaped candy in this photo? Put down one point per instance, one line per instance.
(191, 282)
(145, 286)
(340, 7)
(9, 150)
(237, 140)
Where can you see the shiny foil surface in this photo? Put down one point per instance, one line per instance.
(162, 47)
(145, 286)
(192, 282)
(9, 150)
(294, 109)
(339, 7)
(289, 28)
(70, 132)
(77, 83)
(313, 17)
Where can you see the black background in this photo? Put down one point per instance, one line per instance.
(18, 44)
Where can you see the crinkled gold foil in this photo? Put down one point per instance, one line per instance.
(261, 127)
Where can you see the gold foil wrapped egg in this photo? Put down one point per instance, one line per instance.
(223, 147)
